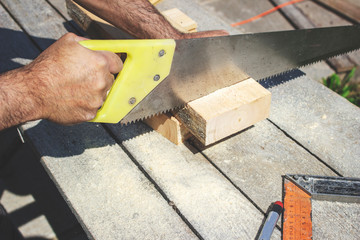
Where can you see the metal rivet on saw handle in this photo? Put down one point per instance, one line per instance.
(157, 77)
(132, 101)
(161, 53)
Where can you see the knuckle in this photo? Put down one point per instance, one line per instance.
(96, 104)
(101, 62)
(100, 84)
(90, 115)
(69, 36)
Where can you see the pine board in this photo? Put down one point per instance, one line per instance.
(226, 111)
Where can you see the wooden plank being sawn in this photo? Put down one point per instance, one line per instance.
(237, 113)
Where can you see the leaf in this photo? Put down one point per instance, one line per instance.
(325, 82)
(351, 100)
(346, 93)
(346, 88)
(337, 82)
(332, 81)
(349, 76)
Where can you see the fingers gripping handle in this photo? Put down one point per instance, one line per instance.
(148, 63)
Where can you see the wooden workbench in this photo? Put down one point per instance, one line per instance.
(129, 182)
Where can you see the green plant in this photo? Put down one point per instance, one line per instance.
(344, 87)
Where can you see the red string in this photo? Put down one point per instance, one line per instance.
(266, 13)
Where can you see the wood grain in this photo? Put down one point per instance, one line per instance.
(180, 20)
(349, 8)
(46, 28)
(170, 127)
(226, 111)
(154, 2)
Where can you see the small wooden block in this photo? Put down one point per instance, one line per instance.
(226, 111)
(180, 20)
(169, 127)
(154, 2)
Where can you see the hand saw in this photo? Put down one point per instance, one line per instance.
(163, 74)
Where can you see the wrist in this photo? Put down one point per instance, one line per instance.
(17, 104)
(29, 100)
(34, 81)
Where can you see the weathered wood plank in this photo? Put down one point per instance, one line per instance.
(111, 196)
(316, 16)
(319, 16)
(256, 159)
(211, 204)
(322, 121)
(14, 55)
(106, 191)
(235, 11)
(335, 220)
(39, 19)
(191, 173)
(60, 5)
(349, 8)
(32, 191)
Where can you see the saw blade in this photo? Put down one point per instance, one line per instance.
(201, 66)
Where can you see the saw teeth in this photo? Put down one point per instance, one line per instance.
(308, 64)
(150, 116)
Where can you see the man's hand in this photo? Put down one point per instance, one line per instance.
(73, 80)
(67, 84)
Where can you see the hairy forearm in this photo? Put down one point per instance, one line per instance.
(137, 17)
(18, 104)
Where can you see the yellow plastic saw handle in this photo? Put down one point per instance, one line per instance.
(148, 63)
